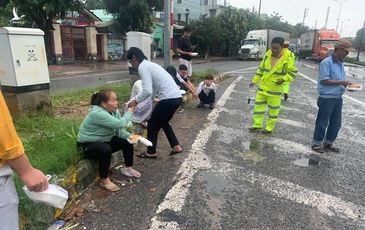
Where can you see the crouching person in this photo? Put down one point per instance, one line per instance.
(206, 92)
(103, 132)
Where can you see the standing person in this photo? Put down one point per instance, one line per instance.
(275, 69)
(286, 85)
(206, 92)
(103, 132)
(331, 86)
(12, 156)
(185, 49)
(156, 81)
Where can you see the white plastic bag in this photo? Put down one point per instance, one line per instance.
(54, 196)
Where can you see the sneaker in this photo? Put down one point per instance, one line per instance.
(211, 106)
(200, 105)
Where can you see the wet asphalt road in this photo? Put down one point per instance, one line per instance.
(230, 178)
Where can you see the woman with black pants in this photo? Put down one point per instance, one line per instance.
(156, 82)
(103, 132)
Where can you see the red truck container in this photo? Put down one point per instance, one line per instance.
(318, 44)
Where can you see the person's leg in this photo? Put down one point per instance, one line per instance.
(259, 110)
(211, 99)
(102, 152)
(334, 123)
(169, 108)
(117, 143)
(203, 98)
(325, 108)
(273, 104)
(154, 126)
(9, 218)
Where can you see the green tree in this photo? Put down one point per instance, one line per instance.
(276, 22)
(94, 4)
(134, 15)
(205, 33)
(233, 27)
(42, 12)
(5, 13)
(357, 40)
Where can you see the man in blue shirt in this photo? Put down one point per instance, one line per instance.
(331, 86)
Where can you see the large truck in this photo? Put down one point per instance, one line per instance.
(318, 44)
(257, 42)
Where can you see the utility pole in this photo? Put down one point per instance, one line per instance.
(166, 33)
(315, 24)
(328, 13)
(360, 45)
(339, 12)
(259, 10)
(305, 14)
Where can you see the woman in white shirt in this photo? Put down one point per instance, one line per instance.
(156, 82)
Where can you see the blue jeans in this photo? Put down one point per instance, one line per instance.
(328, 121)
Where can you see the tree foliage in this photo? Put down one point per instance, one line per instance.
(134, 15)
(205, 32)
(42, 12)
(231, 26)
(357, 40)
(94, 4)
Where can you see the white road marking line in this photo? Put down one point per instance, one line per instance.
(292, 123)
(345, 96)
(237, 70)
(197, 159)
(87, 75)
(327, 204)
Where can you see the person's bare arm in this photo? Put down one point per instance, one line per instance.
(180, 51)
(34, 179)
(336, 82)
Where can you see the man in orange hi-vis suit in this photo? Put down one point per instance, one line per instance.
(12, 157)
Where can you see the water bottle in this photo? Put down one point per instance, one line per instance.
(56, 225)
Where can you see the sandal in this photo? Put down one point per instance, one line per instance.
(110, 187)
(174, 152)
(146, 155)
(318, 148)
(130, 173)
(331, 148)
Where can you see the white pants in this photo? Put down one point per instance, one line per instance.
(188, 64)
(9, 219)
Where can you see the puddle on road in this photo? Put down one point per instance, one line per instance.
(251, 156)
(306, 162)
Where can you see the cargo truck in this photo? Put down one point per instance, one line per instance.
(257, 42)
(318, 44)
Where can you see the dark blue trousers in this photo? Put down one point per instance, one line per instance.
(328, 121)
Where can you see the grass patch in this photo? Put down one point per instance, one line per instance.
(354, 61)
(199, 76)
(74, 97)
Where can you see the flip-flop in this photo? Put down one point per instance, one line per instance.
(174, 152)
(111, 187)
(331, 148)
(125, 172)
(318, 148)
(144, 155)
